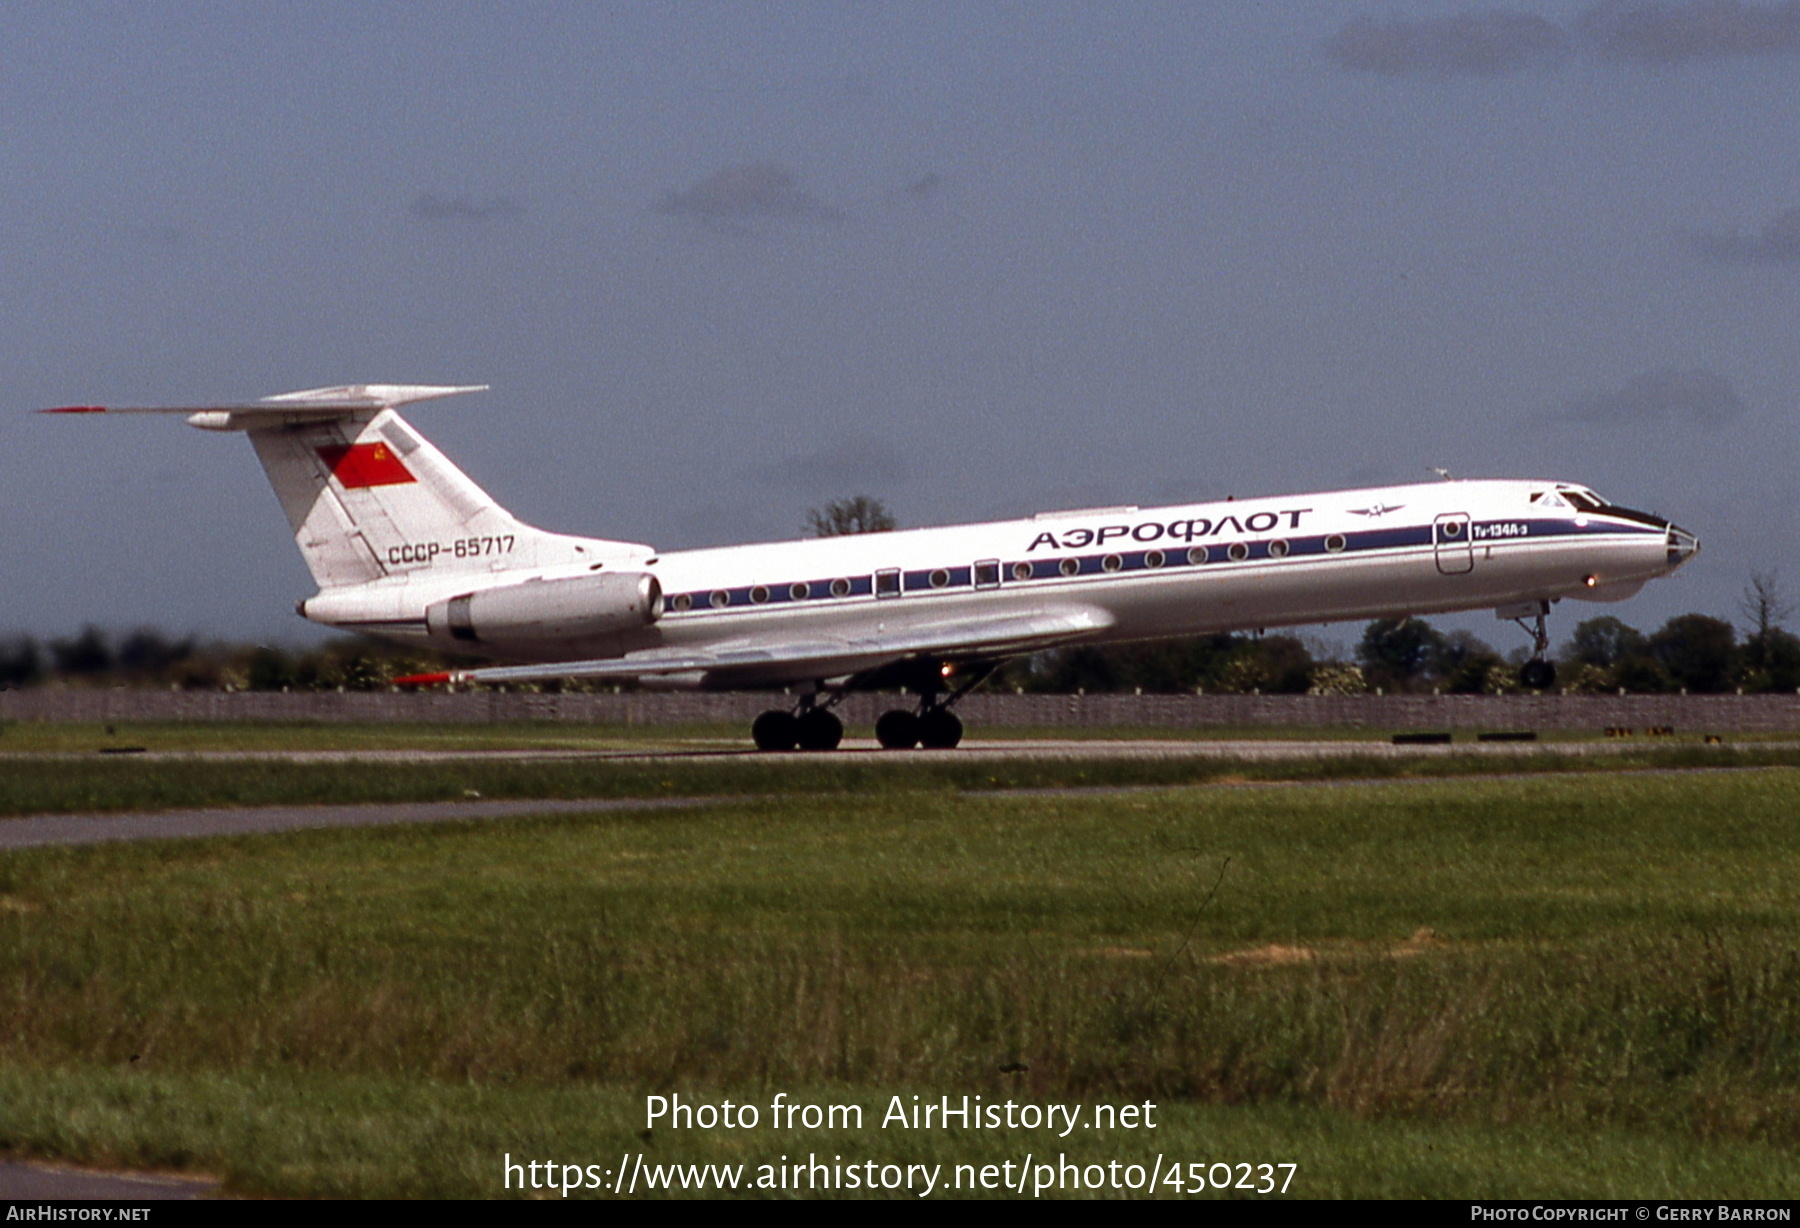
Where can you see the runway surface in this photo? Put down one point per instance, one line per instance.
(866, 750)
(34, 831)
(29, 1182)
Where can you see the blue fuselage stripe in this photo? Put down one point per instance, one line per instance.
(1482, 533)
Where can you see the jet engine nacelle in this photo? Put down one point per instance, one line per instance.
(541, 611)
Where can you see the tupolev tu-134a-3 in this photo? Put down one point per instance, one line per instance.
(403, 545)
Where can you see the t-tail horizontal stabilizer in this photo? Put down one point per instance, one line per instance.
(308, 405)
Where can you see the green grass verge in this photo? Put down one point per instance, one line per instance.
(1534, 986)
(35, 785)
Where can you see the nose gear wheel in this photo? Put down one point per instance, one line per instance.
(1537, 674)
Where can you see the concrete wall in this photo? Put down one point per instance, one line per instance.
(1690, 713)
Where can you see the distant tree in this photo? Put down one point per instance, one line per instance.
(269, 669)
(1699, 653)
(1771, 653)
(1764, 604)
(1779, 670)
(1641, 674)
(366, 668)
(1275, 664)
(1603, 642)
(1464, 664)
(149, 652)
(857, 514)
(1396, 652)
(1337, 678)
(1580, 678)
(21, 663)
(1067, 670)
(1278, 664)
(87, 654)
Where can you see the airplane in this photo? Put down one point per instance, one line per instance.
(403, 545)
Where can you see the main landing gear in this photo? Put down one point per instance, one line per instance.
(811, 725)
(808, 727)
(1538, 673)
(933, 726)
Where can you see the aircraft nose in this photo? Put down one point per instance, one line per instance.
(1682, 546)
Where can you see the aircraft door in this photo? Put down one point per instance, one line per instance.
(1455, 552)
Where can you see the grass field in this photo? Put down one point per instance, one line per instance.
(55, 775)
(1543, 985)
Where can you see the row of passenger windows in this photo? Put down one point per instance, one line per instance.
(987, 574)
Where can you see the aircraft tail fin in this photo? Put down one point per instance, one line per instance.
(369, 498)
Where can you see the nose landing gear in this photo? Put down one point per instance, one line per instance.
(1538, 674)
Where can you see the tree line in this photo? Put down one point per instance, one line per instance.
(1690, 652)
(148, 658)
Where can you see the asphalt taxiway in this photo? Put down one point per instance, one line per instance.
(33, 831)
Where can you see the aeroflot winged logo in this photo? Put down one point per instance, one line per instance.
(1174, 530)
(360, 465)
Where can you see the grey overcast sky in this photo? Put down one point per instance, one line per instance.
(721, 262)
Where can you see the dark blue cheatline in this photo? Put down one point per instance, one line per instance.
(1215, 553)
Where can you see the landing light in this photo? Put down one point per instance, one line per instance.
(1590, 580)
(947, 670)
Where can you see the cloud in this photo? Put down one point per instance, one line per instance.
(430, 207)
(1776, 243)
(1487, 43)
(925, 185)
(853, 464)
(1494, 42)
(1692, 396)
(1660, 32)
(754, 192)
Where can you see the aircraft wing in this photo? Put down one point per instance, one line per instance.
(831, 655)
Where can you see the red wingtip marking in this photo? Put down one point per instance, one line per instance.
(75, 409)
(424, 679)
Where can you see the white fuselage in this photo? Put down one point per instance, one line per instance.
(1140, 573)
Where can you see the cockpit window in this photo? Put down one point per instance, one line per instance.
(1584, 499)
(1548, 498)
